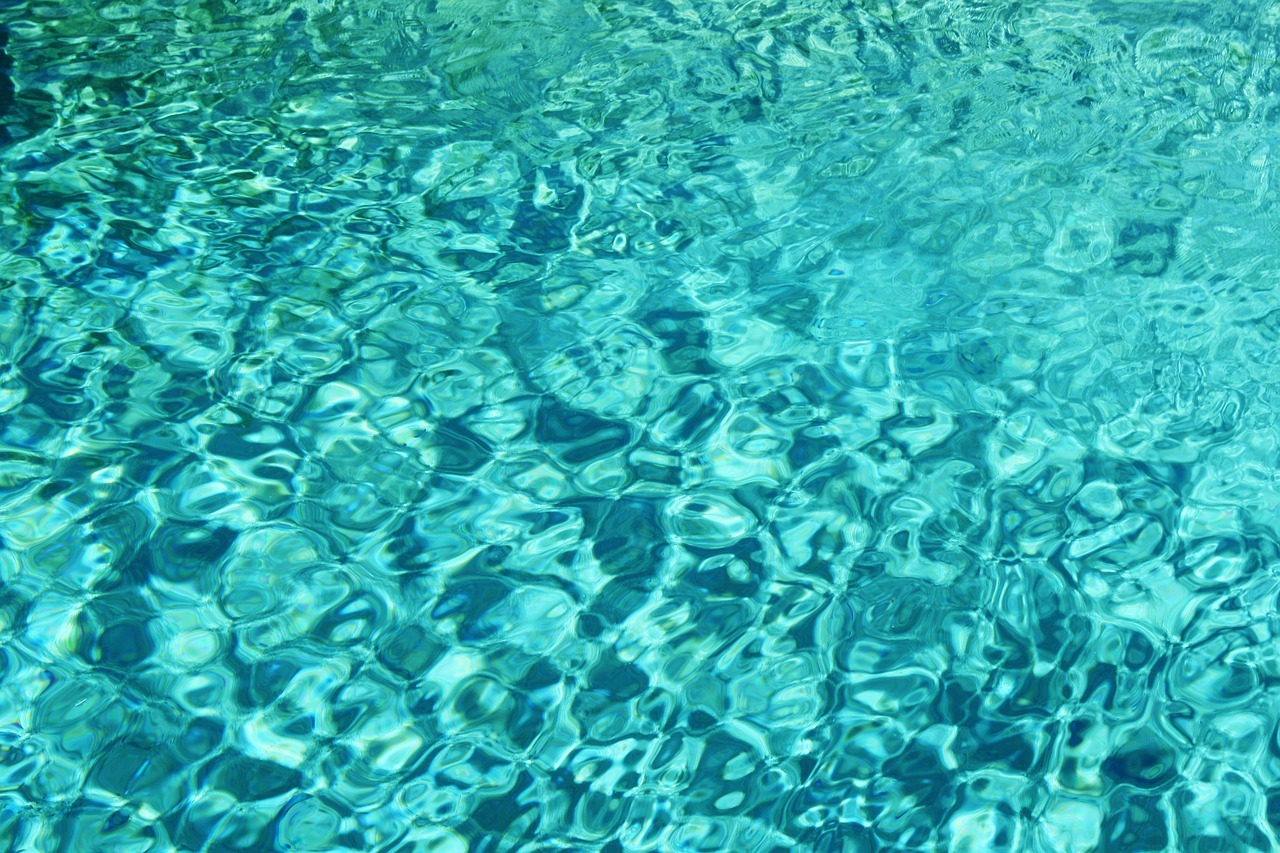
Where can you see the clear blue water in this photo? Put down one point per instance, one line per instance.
(625, 426)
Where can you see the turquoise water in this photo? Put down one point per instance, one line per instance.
(620, 426)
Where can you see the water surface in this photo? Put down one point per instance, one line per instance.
(608, 426)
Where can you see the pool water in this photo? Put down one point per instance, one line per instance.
(615, 426)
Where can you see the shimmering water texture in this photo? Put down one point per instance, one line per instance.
(639, 426)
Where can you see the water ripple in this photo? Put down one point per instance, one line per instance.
(458, 426)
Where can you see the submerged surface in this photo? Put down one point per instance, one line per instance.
(481, 426)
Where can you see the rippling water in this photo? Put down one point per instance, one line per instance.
(639, 426)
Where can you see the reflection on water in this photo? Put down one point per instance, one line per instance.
(466, 426)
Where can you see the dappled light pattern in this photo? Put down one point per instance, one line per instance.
(611, 426)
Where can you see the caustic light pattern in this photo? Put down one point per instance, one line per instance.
(469, 426)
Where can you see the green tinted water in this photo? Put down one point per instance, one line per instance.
(483, 426)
